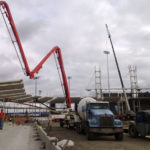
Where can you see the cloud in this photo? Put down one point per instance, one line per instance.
(78, 28)
(28, 28)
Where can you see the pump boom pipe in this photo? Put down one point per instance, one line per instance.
(56, 50)
(12, 24)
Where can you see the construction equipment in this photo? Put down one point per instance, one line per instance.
(129, 112)
(141, 126)
(122, 84)
(94, 118)
(56, 50)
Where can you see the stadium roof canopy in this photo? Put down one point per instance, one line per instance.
(14, 91)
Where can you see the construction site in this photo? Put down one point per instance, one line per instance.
(104, 118)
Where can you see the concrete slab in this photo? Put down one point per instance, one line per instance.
(14, 137)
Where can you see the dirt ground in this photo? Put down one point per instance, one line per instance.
(102, 142)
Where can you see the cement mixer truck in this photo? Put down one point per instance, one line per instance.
(94, 118)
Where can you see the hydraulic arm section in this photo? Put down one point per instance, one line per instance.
(120, 76)
(56, 50)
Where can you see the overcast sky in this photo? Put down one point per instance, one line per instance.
(78, 28)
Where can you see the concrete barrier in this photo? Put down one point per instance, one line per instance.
(45, 139)
(52, 143)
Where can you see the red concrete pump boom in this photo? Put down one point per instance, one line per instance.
(56, 50)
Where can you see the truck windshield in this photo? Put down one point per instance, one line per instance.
(99, 106)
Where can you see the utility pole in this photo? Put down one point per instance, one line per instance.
(122, 84)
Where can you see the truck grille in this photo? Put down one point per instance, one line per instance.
(106, 121)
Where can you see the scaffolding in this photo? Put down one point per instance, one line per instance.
(133, 81)
(134, 87)
(98, 84)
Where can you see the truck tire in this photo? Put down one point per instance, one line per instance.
(61, 123)
(78, 128)
(90, 135)
(132, 131)
(119, 136)
(68, 126)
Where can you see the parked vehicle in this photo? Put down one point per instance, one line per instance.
(141, 125)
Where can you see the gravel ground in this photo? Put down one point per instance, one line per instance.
(102, 142)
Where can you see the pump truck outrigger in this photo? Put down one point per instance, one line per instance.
(6, 13)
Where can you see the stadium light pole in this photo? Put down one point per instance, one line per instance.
(69, 78)
(107, 53)
(35, 78)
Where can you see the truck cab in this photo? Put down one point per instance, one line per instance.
(93, 118)
(101, 120)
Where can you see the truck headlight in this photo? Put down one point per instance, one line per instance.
(118, 123)
(93, 122)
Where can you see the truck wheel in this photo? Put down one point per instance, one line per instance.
(68, 126)
(61, 123)
(78, 128)
(90, 136)
(132, 131)
(119, 136)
